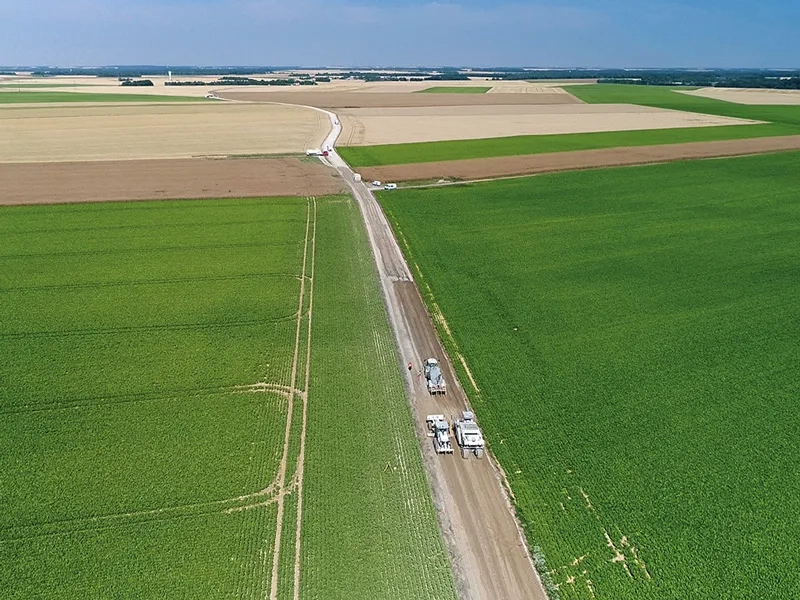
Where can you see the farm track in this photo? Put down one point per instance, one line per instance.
(293, 393)
(510, 166)
(301, 457)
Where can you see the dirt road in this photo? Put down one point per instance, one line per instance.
(490, 558)
(506, 166)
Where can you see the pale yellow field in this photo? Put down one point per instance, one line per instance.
(749, 96)
(371, 126)
(107, 85)
(117, 132)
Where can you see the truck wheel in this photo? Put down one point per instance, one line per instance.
(464, 453)
(479, 452)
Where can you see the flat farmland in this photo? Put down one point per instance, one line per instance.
(89, 132)
(122, 180)
(776, 121)
(11, 96)
(750, 96)
(376, 126)
(455, 90)
(388, 98)
(513, 166)
(177, 407)
(632, 337)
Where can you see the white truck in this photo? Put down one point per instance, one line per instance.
(468, 435)
(390, 186)
(434, 378)
(440, 432)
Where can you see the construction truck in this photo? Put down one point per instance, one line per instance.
(434, 377)
(468, 435)
(440, 432)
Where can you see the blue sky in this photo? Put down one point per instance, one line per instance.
(605, 33)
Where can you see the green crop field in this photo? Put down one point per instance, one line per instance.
(633, 337)
(420, 152)
(455, 90)
(159, 411)
(12, 97)
(664, 97)
(780, 120)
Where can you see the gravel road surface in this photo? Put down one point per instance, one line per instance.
(487, 548)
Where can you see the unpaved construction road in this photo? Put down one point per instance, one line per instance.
(507, 166)
(490, 557)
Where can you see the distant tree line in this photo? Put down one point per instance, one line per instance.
(235, 80)
(783, 81)
(147, 71)
(136, 82)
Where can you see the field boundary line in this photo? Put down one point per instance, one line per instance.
(301, 457)
(276, 549)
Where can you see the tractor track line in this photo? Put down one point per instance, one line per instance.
(276, 551)
(302, 455)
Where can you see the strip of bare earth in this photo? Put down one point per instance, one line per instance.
(486, 168)
(393, 99)
(51, 183)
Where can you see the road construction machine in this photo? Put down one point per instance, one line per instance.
(468, 435)
(440, 432)
(434, 378)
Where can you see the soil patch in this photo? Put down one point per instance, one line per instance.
(489, 168)
(66, 182)
(394, 99)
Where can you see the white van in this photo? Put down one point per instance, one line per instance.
(390, 186)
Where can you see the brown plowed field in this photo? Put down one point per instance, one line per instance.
(48, 183)
(488, 168)
(394, 99)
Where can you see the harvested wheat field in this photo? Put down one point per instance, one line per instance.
(750, 96)
(65, 182)
(490, 168)
(371, 126)
(122, 132)
(377, 99)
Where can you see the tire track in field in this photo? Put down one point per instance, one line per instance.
(302, 455)
(243, 502)
(281, 479)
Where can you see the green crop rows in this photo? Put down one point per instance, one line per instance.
(27, 97)
(144, 348)
(780, 120)
(633, 335)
